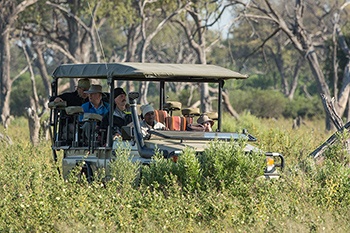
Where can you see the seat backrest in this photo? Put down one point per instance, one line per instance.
(189, 120)
(160, 116)
(176, 123)
(172, 106)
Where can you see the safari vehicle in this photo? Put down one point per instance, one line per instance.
(97, 153)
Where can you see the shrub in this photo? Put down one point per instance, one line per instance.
(268, 104)
(227, 165)
(305, 107)
(123, 170)
(162, 172)
(260, 103)
(216, 191)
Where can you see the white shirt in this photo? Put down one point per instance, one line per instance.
(146, 127)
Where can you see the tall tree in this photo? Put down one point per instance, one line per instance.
(69, 29)
(306, 38)
(276, 58)
(142, 21)
(199, 16)
(9, 12)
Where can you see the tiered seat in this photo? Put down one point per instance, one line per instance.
(172, 106)
(189, 114)
(160, 116)
(59, 108)
(176, 123)
(74, 111)
(91, 119)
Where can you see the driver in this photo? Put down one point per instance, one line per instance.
(149, 123)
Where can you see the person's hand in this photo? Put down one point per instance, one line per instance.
(207, 127)
(57, 99)
(116, 136)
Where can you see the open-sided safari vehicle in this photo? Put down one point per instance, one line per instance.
(98, 152)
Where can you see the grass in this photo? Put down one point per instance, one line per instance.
(216, 192)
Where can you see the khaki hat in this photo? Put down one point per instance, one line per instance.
(212, 115)
(204, 118)
(94, 89)
(146, 109)
(84, 83)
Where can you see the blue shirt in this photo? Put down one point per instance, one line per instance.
(103, 109)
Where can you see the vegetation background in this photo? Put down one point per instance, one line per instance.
(291, 59)
(217, 192)
(293, 51)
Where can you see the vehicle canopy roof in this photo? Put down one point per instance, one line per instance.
(159, 72)
(147, 71)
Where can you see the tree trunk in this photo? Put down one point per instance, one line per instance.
(317, 154)
(40, 63)
(321, 83)
(9, 12)
(6, 83)
(228, 106)
(143, 90)
(34, 124)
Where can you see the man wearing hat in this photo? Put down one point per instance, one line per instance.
(76, 98)
(149, 123)
(121, 116)
(95, 104)
(204, 123)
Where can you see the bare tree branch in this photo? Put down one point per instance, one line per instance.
(62, 50)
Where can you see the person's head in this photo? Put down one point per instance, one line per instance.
(119, 98)
(95, 94)
(206, 122)
(83, 85)
(148, 113)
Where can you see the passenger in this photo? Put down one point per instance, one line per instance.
(121, 117)
(76, 98)
(95, 104)
(204, 124)
(149, 123)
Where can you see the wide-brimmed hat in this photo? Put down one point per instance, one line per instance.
(146, 109)
(204, 118)
(84, 83)
(94, 89)
(118, 91)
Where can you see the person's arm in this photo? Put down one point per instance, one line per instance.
(144, 130)
(85, 109)
(59, 98)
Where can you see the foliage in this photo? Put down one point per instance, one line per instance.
(123, 171)
(261, 103)
(305, 107)
(228, 166)
(272, 104)
(211, 192)
(20, 96)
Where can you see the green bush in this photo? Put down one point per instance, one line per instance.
(123, 171)
(272, 104)
(260, 103)
(226, 165)
(310, 108)
(217, 191)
